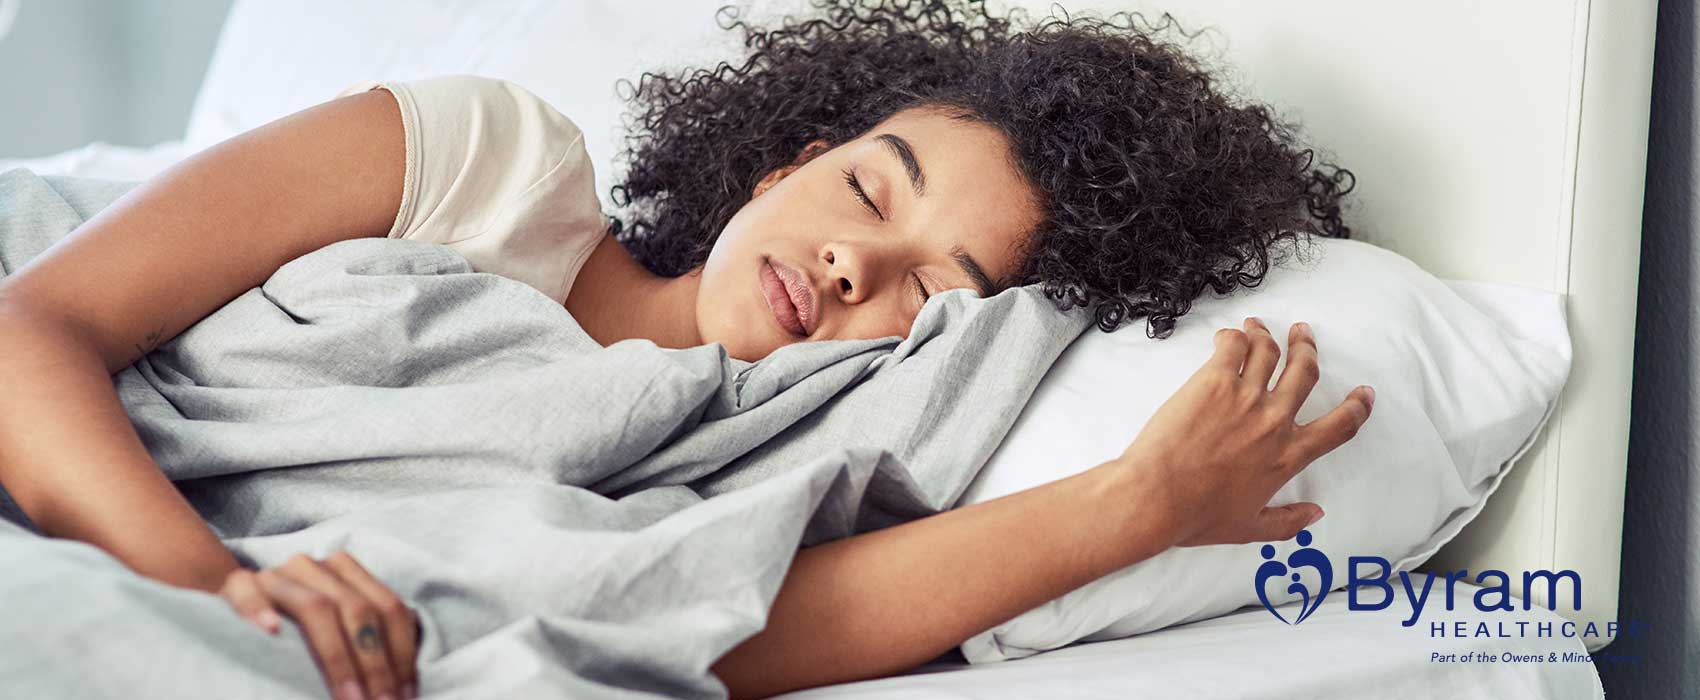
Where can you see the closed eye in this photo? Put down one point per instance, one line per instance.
(856, 188)
(922, 289)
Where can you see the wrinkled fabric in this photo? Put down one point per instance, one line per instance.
(567, 519)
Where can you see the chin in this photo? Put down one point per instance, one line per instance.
(735, 332)
(748, 352)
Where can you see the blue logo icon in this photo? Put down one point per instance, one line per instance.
(1306, 556)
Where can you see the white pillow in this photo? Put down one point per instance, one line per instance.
(1461, 389)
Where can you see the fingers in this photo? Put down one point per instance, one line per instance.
(1262, 354)
(320, 623)
(1282, 523)
(244, 594)
(399, 621)
(1231, 348)
(1301, 372)
(1333, 429)
(360, 623)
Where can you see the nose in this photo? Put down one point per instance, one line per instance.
(855, 270)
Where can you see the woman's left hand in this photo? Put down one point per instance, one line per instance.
(1215, 453)
(363, 637)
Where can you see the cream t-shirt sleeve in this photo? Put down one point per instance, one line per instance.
(497, 174)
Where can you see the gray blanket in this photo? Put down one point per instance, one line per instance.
(568, 519)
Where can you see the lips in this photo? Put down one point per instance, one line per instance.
(789, 296)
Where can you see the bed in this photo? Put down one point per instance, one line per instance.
(1335, 654)
(1500, 142)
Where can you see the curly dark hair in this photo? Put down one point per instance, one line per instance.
(1155, 183)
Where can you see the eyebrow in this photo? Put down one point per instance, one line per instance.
(901, 149)
(918, 182)
(982, 281)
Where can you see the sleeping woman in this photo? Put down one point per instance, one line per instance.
(861, 160)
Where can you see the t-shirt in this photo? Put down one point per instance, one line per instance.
(497, 174)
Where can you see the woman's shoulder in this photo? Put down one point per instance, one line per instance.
(478, 103)
(497, 173)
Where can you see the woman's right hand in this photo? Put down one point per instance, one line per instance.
(363, 637)
(1209, 460)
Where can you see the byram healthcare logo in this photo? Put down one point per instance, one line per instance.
(1493, 593)
(1375, 575)
(1305, 556)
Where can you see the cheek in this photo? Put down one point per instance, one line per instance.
(729, 306)
(720, 297)
(752, 225)
(727, 312)
(875, 321)
(729, 251)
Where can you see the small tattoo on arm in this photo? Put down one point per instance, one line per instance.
(152, 342)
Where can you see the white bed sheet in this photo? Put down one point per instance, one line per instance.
(104, 161)
(1335, 653)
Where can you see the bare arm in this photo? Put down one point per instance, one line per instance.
(888, 600)
(1200, 472)
(153, 263)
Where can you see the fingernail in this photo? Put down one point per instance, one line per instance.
(1314, 518)
(269, 620)
(350, 690)
(1369, 395)
(1303, 327)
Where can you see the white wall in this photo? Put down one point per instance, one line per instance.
(76, 71)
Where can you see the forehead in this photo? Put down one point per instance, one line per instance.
(962, 149)
(974, 192)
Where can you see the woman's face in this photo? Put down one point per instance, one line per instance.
(859, 269)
